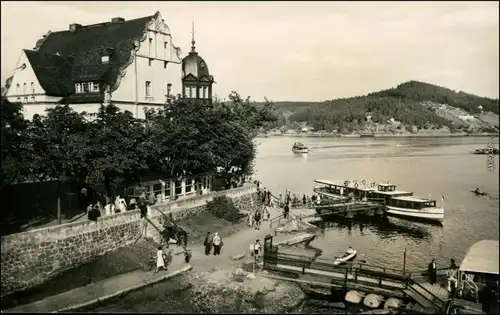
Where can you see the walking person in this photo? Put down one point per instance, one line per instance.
(160, 259)
(256, 249)
(269, 195)
(304, 200)
(432, 271)
(217, 243)
(267, 214)
(208, 244)
(258, 217)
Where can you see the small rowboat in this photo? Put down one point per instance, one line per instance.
(345, 258)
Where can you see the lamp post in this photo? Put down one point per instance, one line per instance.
(404, 261)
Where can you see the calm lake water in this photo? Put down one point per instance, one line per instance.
(435, 166)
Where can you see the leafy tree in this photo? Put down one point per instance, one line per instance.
(59, 149)
(117, 147)
(14, 142)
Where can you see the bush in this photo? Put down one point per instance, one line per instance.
(224, 208)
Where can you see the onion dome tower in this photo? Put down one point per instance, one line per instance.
(196, 79)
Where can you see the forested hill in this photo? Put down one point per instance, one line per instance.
(412, 103)
(421, 91)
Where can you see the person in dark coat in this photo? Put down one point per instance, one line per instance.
(257, 217)
(287, 210)
(208, 243)
(432, 271)
(304, 200)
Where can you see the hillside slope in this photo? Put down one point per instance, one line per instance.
(410, 107)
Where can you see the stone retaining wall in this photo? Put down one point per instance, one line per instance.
(32, 257)
(245, 198)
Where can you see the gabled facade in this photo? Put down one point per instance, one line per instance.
(133, 64)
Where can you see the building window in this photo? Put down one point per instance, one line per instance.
(32, 88)
(167, 189)
(165, 65)
(187, 92)
(150, 62)
(18, 99)
(78, 87)
(169, 89)
(165, 45)
(17, 89)
(25, 98)
(94, 86)
(149, 90)
(85, 88)
(205, 94)
(33, 99)
(178, 187)
(104, 59)
(189, 186)
(25, 88)
(150, 46)
(193, 92)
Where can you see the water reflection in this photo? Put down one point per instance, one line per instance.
(382, 226)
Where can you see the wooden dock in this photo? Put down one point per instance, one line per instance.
(354, 276)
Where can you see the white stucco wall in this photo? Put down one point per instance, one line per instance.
(149, 65)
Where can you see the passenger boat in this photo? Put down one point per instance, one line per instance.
(486, 151)
(397, 202)
(348, 256)
(299, 147)
(478, 275)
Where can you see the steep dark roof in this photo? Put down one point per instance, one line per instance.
(52, 71)
(85, 46)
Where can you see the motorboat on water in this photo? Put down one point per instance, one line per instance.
(349, 255)
(299, 147)
(397, 202)
(486, 151)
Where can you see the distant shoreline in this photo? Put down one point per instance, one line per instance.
(330, 135)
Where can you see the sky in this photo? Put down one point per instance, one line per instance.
(299, 51)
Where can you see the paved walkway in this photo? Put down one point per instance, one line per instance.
(235, 244)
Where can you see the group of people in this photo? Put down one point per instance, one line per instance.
(294, 201)
(255, 219)
(214, 242)
(96, 210)
(451, 273)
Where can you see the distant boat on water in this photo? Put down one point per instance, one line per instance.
(486, 151)
(299, 147)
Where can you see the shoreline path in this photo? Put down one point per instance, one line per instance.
(235, 244)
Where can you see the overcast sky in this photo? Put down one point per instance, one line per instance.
(300, 51)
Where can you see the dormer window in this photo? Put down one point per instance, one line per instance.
(104, 59)
(85, 87)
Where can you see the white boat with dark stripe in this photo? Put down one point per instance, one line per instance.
(397, 202)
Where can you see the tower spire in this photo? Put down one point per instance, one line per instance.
(193, 48)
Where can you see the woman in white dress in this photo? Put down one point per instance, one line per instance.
(160, 261)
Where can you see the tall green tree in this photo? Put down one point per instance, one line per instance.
(14, 142)
(117, 150)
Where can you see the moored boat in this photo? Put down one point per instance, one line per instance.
(397, 202)
(299, 147)
(349, 255)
